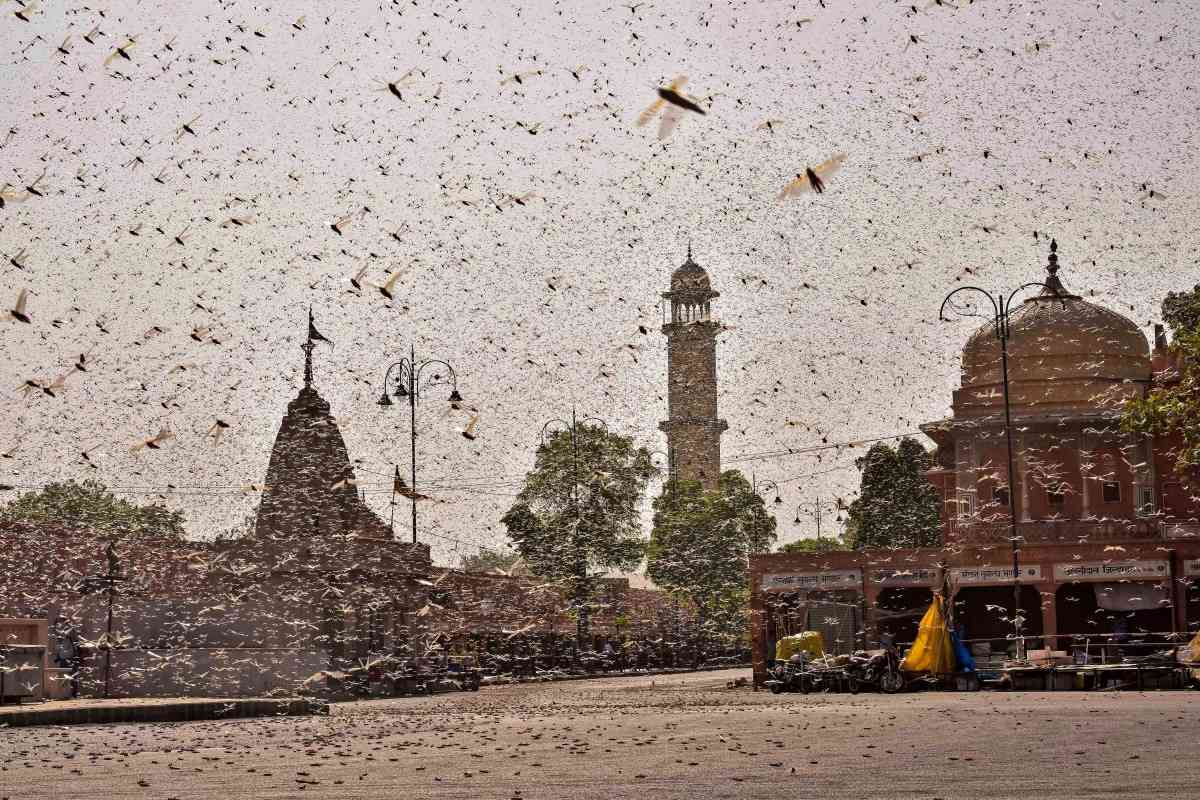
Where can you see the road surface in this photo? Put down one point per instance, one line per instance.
(679, 737)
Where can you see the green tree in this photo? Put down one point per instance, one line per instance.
(701, 544)
(489, 560)
(826, 544)
(578, 515)
(90, 505)
(1173, 408)
(897, 506)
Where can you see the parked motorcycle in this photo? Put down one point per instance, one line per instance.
(797, 674)
(784, 677)
(879, 669)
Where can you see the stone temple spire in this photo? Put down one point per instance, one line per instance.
(309, 491)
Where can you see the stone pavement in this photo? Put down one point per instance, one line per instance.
(686, 736)
(153, 709)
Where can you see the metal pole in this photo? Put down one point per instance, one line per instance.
(581, 565)
(412, 410)
(818, 506)
(1002, 329)
(392, 520)
(108, 634)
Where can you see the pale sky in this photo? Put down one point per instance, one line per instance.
(293, 133)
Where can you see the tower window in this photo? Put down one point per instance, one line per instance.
(1056, 496)
(1111, 491)
(1000, 495)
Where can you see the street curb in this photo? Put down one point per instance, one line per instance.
(599, 675)
(173, 711)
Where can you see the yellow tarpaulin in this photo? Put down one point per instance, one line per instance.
(1195, 649)
(808, 642)
(932, 651)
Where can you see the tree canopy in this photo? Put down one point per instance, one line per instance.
(90, 505)
(577, 516)
(1173, 408)
(897, 506)
(489, 560)
(701, 543)
(825, 544)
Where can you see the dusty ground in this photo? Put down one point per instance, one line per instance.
(682, 737)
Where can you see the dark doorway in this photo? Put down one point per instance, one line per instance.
(983, 614)
(1193, 606)
(898, 612)
(1080, 613)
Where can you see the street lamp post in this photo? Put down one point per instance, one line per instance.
(814, 509)
(572, 429)
(108, 580)
(1001, 308)
(408, 384)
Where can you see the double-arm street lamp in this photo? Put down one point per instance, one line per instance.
(1001, 315)
(572, 429)
(816, 508)
(411, 383)
(768, 485)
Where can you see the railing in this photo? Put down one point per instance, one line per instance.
(1085, 648)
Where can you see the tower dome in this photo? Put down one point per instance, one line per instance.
(1064, 354)
(690, 278)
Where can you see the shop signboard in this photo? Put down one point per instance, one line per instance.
(994, 575)
(1111, 571)
(916, 576)
(1191, 567)
(809, 581)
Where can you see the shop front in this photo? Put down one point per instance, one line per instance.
(983, 607)
(1106, 598)
(816, 595)
(1191, 571)
(898, 597)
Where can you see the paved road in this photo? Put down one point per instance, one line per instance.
(681, 737)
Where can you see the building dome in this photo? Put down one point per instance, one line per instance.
(1064, 355)
(690, 277)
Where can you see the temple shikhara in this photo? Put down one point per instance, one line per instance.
(1108, 531)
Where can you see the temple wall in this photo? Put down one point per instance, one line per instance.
(201, 672)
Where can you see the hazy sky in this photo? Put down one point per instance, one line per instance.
(535, 304)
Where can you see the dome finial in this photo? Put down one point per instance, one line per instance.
(1053, 285)
(689, 258)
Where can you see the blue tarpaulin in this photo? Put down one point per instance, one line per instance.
(963, 662)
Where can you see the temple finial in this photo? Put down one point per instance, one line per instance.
(307, 347)
(314, 336)
(689, 258)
